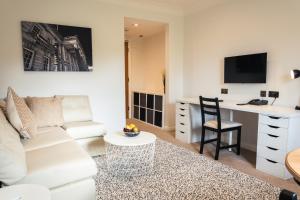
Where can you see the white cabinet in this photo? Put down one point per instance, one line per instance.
(188, 122)
(275, 139)
(183, 122)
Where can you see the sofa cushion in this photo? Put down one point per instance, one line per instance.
(3, 105)
(45, 137)
(47, 110)
(20, 115)
(86, 129)
(57, 165)
(12, 156)
(76, 108)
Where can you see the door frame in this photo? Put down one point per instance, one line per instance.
(126, 51)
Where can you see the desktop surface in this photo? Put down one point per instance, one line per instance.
(281, 111)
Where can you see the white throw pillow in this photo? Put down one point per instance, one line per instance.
(76, 108)
(3, 105)
(12, 155)
(20, 115)
(46, 110)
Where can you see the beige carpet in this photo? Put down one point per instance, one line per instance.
(244, 163)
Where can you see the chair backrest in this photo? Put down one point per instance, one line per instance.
(210, 106)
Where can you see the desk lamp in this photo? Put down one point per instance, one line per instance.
(295, 74)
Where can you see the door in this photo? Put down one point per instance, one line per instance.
(126, 80)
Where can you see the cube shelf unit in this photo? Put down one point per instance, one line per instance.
(148, 108)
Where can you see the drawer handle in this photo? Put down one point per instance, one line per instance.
(182, 123)
(182, 109)
(274, 136)
(274, 117)
(182, 103)
(274, 149)
(181, 131)
(182, 115)
(271, 161)
(273, 126)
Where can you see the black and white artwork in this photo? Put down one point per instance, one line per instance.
(52, 47)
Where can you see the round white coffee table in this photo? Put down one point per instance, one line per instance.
(130, 156)
(25, 192)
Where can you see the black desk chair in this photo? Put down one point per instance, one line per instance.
(210, 106)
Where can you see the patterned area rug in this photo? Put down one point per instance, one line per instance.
(182, 174)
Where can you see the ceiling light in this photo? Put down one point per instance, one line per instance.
(135, 25)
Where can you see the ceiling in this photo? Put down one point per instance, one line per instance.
(180, 7)
(145, 28)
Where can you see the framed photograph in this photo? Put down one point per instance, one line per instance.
(52, 47)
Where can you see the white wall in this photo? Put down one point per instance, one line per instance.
(147, 63)
(105, 85)
(243, 27)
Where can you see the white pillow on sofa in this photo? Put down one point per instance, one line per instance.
(12, 155)
(76, 108)
(19, 115)
(46, 110)
(3, 105)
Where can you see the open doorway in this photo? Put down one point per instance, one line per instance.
(145, 66)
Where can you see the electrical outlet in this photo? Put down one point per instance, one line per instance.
(274, 94)
(263, 93)
(224, 91)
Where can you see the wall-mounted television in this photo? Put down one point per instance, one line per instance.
(246, 68)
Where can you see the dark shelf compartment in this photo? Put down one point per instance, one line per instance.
(143, 100)
(148, 108)
(136, 99)
(158, 119)
(150, 101)
(158, 102)
(143, 114)
(150, 116)
(136, 112)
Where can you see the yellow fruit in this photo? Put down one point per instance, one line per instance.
(132, 125)
(128, 127)
(135, 129)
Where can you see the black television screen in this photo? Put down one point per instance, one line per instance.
(246, 69)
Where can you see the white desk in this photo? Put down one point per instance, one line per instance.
(278, 130)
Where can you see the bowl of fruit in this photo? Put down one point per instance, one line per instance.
(131, 130)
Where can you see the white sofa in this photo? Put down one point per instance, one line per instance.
(55, 159)
(79, 124)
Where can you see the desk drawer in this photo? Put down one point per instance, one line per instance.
(182, 118)
(277, 155)
(183, 111)
(274, 141)
(274, 121)
(182, 124)
(183, 134)
(270, 167)
(273, 130)
(183, 127)
(182, 105)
